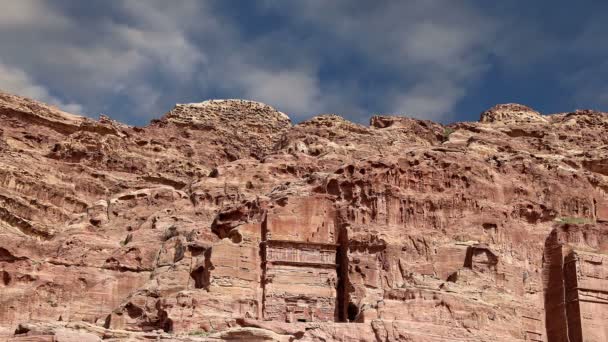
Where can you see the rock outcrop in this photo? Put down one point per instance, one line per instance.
(223, 221)
(512, 113)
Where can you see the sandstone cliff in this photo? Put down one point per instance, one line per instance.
(223, 221)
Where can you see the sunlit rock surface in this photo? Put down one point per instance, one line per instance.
(223, 221)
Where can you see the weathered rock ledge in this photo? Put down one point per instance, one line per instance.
(224, 221)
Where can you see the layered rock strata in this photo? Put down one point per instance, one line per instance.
(223, 221)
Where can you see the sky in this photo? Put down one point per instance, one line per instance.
(443, 60)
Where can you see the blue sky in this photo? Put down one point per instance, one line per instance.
(444, 60)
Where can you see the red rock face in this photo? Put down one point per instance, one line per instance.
(576, 283)
(223, 221)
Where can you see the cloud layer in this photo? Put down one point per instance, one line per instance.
(434, 59)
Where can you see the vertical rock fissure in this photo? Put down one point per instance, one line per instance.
(572, 300)
(555, 296)
(594, 210)
(263, 264)
(342, 298)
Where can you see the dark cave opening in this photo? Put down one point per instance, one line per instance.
(353, 311)
(134, 311)
(200, 277)
(6, 278)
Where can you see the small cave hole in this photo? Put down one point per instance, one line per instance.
(200, 277)
(488, 226)
(235, 236)
(282, 201)
(107, 322)
(5, 255)
(6, 278)
(333, 188)
(168, 326)
(166, 323)
(134, 311)
(21, 330)
(352, 311)
(196, 251)
(214, 173)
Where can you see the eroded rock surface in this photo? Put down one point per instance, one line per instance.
(223, 221)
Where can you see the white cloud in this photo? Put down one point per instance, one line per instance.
(156, 52)
(436, 49)
(90, 59)
(147, 99)
(292, 91)
(18, 82)
(29, 13)
(418, 58)
(424, 101)
(161, 33)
